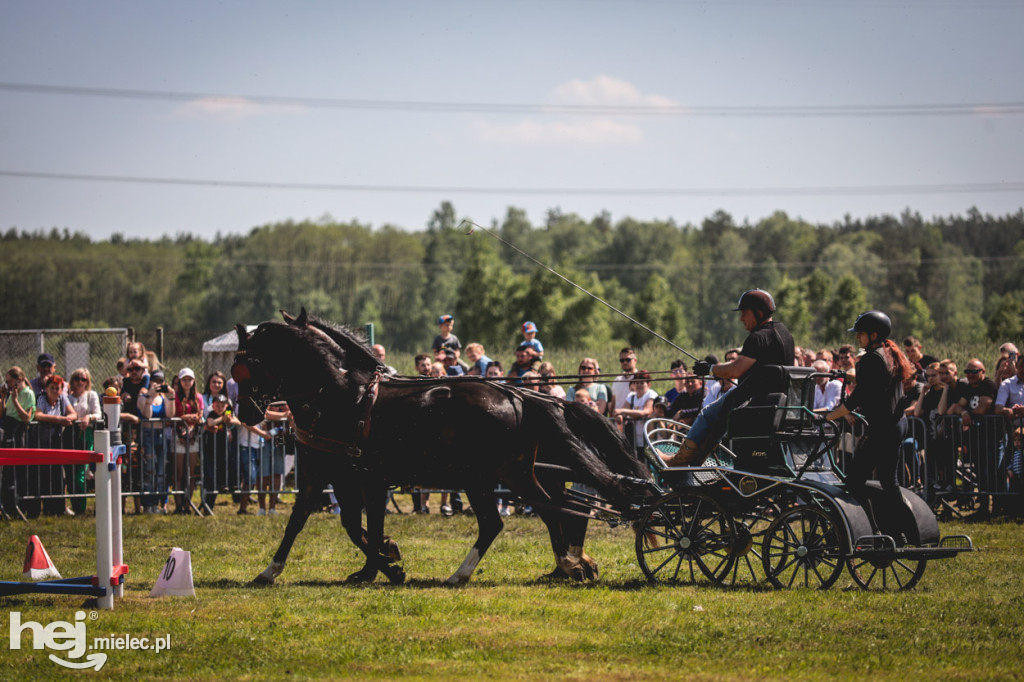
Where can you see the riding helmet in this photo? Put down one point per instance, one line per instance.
(873, 321)
(756, 300)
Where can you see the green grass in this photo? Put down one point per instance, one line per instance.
(965, 620)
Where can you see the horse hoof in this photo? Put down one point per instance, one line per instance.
(262, 580)
(391, 550)
(395, 575)
(363, 575)
(557, 574)
(590, 570)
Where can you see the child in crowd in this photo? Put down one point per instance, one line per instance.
(495, 370)
(271, 466)
(530, 336)
(243, 466)
(639, 407)
(216, 471)
(445, 338)
(1015, 468)
(583, 396)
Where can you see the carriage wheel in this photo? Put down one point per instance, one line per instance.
(886, 574)
(686, 537)
(751, 526)
(801, 548)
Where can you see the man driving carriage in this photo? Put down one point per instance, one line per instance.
(769, 343)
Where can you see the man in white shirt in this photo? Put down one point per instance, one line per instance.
(620, 386)
(826, 391)
(1010, 399)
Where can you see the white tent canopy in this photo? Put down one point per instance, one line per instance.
(219, 352)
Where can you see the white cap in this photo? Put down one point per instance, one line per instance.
(186, 372)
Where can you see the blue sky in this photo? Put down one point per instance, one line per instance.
(255, 92)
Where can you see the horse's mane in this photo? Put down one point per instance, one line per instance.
(325, 351)
(358, 354)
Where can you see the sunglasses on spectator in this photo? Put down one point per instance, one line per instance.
(134, 369)
(626, 359)
(973, 371)
(77, 378)
(587, 367)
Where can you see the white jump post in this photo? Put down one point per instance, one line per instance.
(110, 566)
(109, 544)
(104, 503)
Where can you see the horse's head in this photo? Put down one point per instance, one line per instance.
(284, 362)
(256, 382)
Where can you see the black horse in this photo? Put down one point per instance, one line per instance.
(363, 432)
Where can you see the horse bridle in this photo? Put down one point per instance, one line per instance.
(308, 436)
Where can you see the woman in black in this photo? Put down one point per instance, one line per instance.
(881, 373)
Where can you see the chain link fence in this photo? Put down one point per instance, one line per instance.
(98, 350)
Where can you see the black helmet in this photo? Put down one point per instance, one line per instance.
(756, 300)
(873, 321)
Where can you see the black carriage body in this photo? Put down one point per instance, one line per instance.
(781, 474)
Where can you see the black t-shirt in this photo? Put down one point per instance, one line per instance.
(930, 409)
(686, 406)
(131, 405)
(910, 396)
(451, 342)
(986, 388)
(768, 344)
(956, 391)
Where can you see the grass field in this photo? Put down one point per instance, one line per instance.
(965, 620)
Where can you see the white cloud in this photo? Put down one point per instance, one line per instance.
(606, 90)
(231, 108)
(580, 129)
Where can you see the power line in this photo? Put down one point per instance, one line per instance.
(746, 111)
(824, 190)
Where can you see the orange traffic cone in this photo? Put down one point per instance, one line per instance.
(37, 562)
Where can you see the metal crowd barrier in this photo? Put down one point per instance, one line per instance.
(158, 470)
(949, 461)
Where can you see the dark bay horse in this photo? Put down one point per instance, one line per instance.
(364, 433)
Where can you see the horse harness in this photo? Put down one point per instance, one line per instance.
(311, 439)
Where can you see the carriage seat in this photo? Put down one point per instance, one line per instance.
(751, 434)
(757, 428)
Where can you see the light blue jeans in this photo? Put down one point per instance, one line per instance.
(710, 423)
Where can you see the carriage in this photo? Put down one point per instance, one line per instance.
(774, 506)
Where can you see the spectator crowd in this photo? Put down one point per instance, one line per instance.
(182, 432)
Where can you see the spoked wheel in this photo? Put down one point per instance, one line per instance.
(802, 548)
(886, 574)
(751, 526)
(686, 537)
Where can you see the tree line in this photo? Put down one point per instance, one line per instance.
(949, 278)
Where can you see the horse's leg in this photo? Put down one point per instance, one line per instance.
(575, 533)
(566, 564)
(350, 500)
(304, 502)
(381, 553)
(489, 524)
